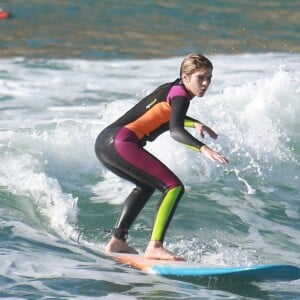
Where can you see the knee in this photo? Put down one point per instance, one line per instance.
(176, 191)
(178, 185)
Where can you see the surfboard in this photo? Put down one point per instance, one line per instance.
(179, 269)
(197, 271)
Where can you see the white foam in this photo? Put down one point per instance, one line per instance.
(22, 175)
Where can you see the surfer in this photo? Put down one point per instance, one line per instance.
(120, 148)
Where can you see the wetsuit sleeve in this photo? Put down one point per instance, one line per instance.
(179, 107)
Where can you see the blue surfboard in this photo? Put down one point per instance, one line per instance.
(256, 273)
(272, 272)
(195, 271)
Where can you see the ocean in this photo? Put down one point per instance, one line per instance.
(68, 69)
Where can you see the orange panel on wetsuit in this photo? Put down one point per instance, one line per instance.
(151, 120)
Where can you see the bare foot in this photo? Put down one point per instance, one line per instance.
(155, 250)
(118, 245)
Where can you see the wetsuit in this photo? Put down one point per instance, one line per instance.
(120, 147)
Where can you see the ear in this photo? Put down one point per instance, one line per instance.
(185, 77)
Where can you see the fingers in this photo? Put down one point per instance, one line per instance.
(209, 131)
(220, 158)
(217, 157)
(213, 135)
(213, 155)
(202, 133)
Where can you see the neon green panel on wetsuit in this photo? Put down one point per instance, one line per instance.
(164, 213)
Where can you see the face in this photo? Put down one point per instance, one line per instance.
(198, 82)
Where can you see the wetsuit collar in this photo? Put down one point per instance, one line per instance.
(182, 84)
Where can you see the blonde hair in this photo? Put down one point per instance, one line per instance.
(194, 62)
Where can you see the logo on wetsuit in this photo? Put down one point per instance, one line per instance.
(151, 103)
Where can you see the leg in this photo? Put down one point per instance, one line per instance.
(165, 211)
(164, 214)
(131, 208)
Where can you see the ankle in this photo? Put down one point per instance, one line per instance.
(119, 245)
(154, 245)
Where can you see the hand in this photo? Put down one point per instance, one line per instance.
(201, 128)
(213, 155)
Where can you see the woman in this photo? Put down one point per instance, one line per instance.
(120, 147)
